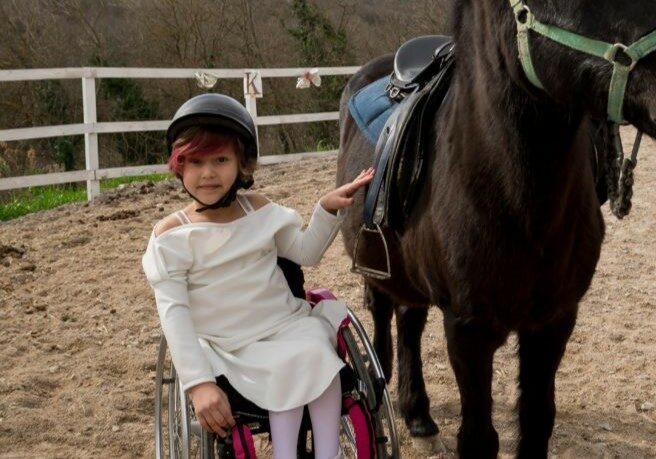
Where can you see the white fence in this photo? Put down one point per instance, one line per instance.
(90, 128)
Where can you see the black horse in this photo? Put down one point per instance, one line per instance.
(507, 231)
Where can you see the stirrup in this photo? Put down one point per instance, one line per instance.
(364, 270)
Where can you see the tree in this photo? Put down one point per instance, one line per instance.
(322, 43)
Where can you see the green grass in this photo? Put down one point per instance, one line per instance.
(29, 200)
(325, 145)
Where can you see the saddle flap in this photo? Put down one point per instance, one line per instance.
(388, 143)
(399, 154)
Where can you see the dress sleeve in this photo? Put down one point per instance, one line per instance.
(166, 263)
(307, 247)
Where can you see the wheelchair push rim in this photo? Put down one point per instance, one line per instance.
(181, 437)
(375, 391)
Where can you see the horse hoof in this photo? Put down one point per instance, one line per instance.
(423, 427)
(429, 446)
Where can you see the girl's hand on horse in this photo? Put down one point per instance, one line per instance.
(343, 196)
(212, 408)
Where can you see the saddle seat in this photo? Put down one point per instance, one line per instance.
(418, 58)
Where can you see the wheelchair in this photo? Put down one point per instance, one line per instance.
(367, 424)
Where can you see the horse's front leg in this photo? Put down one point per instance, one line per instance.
(471, 347)
(540, 353)
(381, 307)
(414, 403)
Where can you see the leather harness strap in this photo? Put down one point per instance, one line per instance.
(623, 58)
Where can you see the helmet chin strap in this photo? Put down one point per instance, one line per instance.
(227, 198)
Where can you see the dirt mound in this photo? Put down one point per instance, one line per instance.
(80, 330)
(10, 251)
(120, 215)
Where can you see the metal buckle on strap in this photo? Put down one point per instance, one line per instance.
(394, 92)
(522, 14)
(612, 56)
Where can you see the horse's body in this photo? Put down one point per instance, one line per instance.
(507, 230)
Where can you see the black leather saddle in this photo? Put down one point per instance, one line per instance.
(420, 82)
(418, 60)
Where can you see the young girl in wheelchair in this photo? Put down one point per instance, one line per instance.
(223, 302)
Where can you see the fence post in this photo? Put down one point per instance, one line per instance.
(90, 138)
(253, 90)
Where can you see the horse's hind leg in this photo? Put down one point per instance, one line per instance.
(540, 353)
(414, 403)
(471, 347)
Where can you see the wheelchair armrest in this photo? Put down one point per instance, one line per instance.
(295, 278)
(318, 294)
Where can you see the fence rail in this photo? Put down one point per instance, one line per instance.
(91, 128)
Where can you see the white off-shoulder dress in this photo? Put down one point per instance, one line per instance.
(226, 308)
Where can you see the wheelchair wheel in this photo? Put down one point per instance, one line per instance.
(178, 434)
(372, 388)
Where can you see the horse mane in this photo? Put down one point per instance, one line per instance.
(549, 11)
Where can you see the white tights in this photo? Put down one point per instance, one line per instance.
(325, 415)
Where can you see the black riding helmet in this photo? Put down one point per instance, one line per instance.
(220, 112)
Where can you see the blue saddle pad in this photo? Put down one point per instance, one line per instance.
(370, 107)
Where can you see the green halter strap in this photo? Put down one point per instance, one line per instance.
(636, 51)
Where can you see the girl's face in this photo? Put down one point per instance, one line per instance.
(210, 176)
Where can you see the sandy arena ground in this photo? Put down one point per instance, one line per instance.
(79, 329)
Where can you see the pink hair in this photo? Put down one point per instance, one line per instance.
(198, 142)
